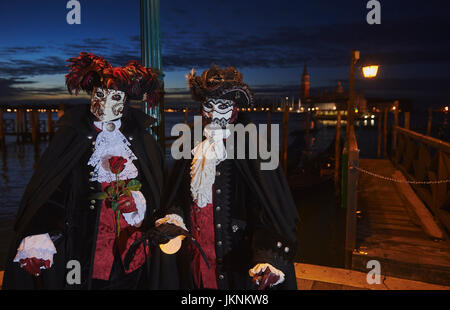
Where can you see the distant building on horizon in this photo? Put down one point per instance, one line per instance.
(305, 85)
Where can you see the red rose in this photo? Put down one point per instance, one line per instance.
(117, 164)
(127, 204)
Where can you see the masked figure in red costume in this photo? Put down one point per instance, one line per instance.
(243, 217)
(95, 191)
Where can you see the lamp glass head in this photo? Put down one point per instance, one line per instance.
(370, 71)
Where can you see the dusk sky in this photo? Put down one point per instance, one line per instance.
(269, 41)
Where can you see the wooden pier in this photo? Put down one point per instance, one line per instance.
(398, 207)
(389, 230)
(313, 277)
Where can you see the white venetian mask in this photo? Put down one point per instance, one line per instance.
(107, 104)
(218, 111)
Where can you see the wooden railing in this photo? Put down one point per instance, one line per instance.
(423, 158)
(350, 161)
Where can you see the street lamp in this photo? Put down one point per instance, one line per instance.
(370, 72)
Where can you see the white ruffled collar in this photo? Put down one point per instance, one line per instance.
(207, 155)
(111, 142)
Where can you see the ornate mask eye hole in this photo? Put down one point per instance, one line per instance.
(207, 106)
(99, 94)
(116, 97)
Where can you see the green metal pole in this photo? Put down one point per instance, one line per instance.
(151, 57)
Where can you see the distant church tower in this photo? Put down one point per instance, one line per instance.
(305, 84)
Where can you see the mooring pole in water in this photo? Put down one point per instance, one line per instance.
(2, 129)
(34, 122)
(337, 151)
(351, 93)
(308, 127)
(285, 137)
(151, 57)
(18, 123)
(25, 125)
(49, 124)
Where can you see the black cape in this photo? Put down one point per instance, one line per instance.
(56, 202)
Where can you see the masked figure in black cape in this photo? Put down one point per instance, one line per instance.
(96, 189)
(242, 216)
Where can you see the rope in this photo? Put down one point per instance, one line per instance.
(400, 181)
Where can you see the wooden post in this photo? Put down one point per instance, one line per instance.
(351, 196)
(49, 124)
(285, 137)
(386, 110)
(351, 92)
(25, 125)
(337, 151)
(430, 120)
(186, 111)
(2, 129)
(380, 119)
(394, 130)
(61, 110)
(407, 120)
(19, 119)
(34, 122)
(308, 127)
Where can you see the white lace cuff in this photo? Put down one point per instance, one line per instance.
(135, 218)
(261, 267)
(174, 219)
(38, 246)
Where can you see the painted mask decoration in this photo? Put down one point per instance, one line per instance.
(107, 104)
(218, 111)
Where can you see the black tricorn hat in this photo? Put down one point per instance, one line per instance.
(220, 84)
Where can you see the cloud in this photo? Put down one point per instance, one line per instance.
(14, 67)
(12, 89)
(13, 50)
(396, 42)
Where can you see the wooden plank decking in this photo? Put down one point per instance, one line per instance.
(389, 233)
(313, 277)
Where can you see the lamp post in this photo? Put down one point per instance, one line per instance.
(151, 57)
(351, 95)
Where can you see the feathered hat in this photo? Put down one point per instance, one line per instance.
(88, 71)
(220, 84)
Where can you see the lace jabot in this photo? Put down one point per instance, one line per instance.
(111, 142)
(207, 155)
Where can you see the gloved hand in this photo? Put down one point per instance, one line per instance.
(174, 244)
(35, 253)
(265, 275)
(33, 265)
(127, 204)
